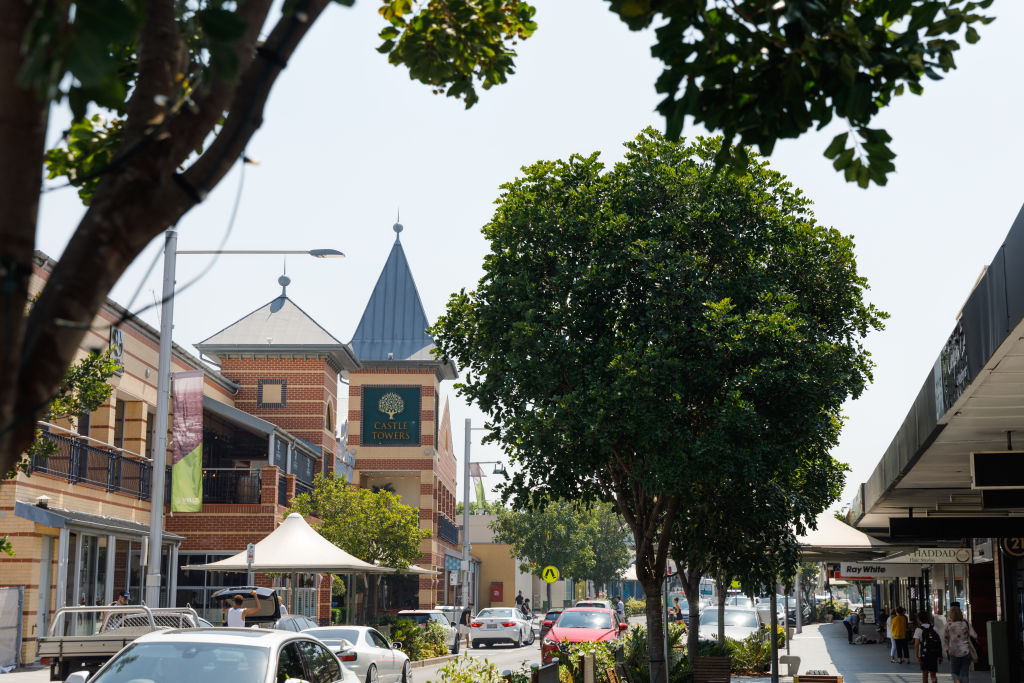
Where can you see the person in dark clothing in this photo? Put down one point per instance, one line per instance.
(519, 599)
(927, 647)
(465, 619)
(851, 622)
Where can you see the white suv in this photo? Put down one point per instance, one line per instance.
(425, 616)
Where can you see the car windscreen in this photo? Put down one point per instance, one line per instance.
(740, 602)
(325, 634)
(418, 618)
(162, 662)
(496, 613)
(551, 616)
(585, 620)
(732, 618)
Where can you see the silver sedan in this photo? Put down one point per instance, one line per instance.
(365, 652)
(500, 625)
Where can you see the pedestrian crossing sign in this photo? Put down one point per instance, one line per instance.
(550, 574)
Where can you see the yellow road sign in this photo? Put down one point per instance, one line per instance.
(550, 574)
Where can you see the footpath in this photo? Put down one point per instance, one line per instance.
(823, 647)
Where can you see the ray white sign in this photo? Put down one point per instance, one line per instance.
(868, 571)
(935, 556)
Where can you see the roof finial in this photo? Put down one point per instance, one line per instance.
(284, 280)
(398, 226)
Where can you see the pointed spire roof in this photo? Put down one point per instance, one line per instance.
(394, 324)
(278, 327)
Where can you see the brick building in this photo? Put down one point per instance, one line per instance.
(399, 433)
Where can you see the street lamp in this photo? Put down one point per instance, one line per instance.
(465, 503)
(163, 395)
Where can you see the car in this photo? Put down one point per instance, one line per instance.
(739, 601)
(426, 616)
(684, 607)
(221, 655)
(604, 604)
(500, 625)
(550, 618)
(739, 622)
(580, 625)
(269, 615)
(365, 652)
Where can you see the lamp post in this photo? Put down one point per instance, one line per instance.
(163, 395)
(465, 504)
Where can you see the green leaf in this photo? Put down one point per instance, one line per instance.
(221, 25)
(836, 146)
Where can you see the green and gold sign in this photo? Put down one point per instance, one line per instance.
(391, 416)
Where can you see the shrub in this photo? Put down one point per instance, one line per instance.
(435, 641)
(753, 654)
(636, 658)
(635, 606)
(466, 669)
(604, 657)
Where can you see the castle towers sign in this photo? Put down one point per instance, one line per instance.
(391, 416)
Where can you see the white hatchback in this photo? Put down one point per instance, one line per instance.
(221, 655)
(500, 625)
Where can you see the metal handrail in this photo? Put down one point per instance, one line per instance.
(100, 444)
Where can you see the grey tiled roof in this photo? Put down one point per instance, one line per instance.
(394, 321)
(279, 323)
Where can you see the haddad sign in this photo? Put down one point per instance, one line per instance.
(935, 556)
(866, 571)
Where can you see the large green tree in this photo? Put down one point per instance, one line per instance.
(374, 526)
(656, 331)
(182, 88)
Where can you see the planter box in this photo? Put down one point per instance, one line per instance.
(712, 670)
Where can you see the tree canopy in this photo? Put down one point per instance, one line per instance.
(585, 542)
(181, 88)
(657, 333)
(374, 526)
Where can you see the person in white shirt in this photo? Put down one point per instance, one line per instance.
(236, 614)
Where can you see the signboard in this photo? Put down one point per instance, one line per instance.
(550, 574)
(934, 556)
(1013, 546)
(187, 442)
(391, 416)
(867, 571)
(250, 553)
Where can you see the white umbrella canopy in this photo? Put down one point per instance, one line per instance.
(836, 541)
(295, 547)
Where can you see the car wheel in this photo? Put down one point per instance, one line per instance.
(474, 644)
(406, 673)
(519, 640)
(371, 674)
(532, 637)
(455, 647)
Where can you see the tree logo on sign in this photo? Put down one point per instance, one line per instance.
(391, 404)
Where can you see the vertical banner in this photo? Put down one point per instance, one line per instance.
(187, 440)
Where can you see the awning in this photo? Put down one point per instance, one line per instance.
(835, 541)
(238, 417)
(295, 547)
(58, 518)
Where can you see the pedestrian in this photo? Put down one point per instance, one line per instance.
(883, 618)
(957, 641)
(122, 599)
(236, 614)
(927, 647)
(519, 599)
(525, 607)
(899, 635)
(620, 609)
(888, 634)
(851, 622)
(465, 619)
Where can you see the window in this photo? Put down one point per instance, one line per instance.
(119, 413)
(321, 665)
(150, 434)
(377, 640)
(329, 418)
(272, 393)
(289, 663)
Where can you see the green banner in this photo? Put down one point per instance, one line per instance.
(187, 441)
(391, 416)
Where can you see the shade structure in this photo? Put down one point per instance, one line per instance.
(836, 541)
(295, 547)
(413, 569)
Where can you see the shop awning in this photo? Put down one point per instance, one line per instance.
(835, 541)
(58, 518)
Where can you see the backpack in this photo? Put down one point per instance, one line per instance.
(931, 646)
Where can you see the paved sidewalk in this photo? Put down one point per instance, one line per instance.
(823, 647)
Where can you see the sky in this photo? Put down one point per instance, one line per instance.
(348, 141)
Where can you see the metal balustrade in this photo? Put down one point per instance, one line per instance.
(229, 485)
(282, 490)
(447, 530)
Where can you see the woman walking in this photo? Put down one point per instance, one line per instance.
(956, 639)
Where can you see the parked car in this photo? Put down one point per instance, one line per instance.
(366, 653)
(739, 623)
(739, 601)
(426, 616)
(550, 618)
(269, 614)
(221, 655)
(604, 604)
(500, 625)
(579, 625)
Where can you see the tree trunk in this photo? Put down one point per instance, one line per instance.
(723, 585)
(691, 586)
(655, 632)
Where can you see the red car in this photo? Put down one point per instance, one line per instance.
(579, 625)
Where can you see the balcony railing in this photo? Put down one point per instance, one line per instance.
(282, 491)
(80, 459)
(302, 488)
(222, 485)
(447, 531)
